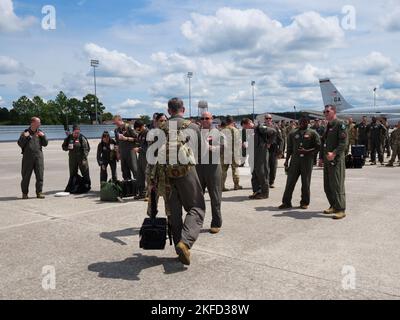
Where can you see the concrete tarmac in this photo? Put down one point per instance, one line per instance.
(92, 248)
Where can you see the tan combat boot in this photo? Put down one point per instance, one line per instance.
(285, 206)
(237, 187)
(40, 195)
(339, 215)
(303, 206)
(183, 252)
(24, 196)
(215, 230)
(329, 211)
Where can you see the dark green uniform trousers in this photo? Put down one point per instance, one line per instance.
(210, 178)
(141, 172)
(32, 163)
(103, 172)
(76, 163)
(299, 166)
(260, 172)
(129, 164)
(334, 176)
(186, 192)
(272, 164)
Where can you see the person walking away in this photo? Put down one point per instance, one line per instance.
(180, 180)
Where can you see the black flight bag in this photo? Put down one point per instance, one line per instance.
(153, 233)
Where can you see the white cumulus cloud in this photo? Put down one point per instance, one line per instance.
(172, 63)
(9, 21)
(253, 31)
(374, 64)
(116, 64)
(11, 66)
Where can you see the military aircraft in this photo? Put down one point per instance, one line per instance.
(331, 95)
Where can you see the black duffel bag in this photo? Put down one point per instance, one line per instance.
(77, 185)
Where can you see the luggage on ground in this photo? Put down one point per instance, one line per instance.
(358, 152)
(77, 185)
(110, 191)
(153, 233)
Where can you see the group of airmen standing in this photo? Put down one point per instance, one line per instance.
(182, 186)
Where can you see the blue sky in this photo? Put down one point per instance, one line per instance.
(145, 49)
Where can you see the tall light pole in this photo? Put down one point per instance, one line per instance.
(190, 76)
(95, 64)
(375, 97)
(253, 83)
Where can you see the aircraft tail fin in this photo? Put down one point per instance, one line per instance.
(331, 95)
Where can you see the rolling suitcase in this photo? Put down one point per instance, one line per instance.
(358, 152)
(153, 233)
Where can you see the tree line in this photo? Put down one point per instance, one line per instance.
(60, 111)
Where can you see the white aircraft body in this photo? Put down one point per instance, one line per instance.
(331, 95)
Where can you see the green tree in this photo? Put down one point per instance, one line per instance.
(4, 115)
(73, 110)
(107, 116)
(50, 114)
(38, 107)
(146, 119)
(24, 110)
(61, 105)
(88, 109)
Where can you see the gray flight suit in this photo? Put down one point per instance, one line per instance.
(209, 174)
(335, 140)
(186, 192)
(142, 161)
(78, 156)
(274, 150)
(300, 164)
(32, 159)
(376, 131)
(259, 157)
(128, 157)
